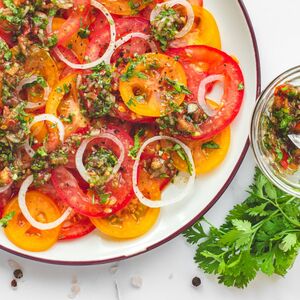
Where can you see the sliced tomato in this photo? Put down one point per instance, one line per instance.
(79, 13)
(4, 199)
(204, 31)
(125, 8)
(119, 188)
(131, 222)
(20, 232)
(207, 154)
(39, 62)
(76, 225)
(135, 219)
(121, 111)
(100, 37)
(199, 62)
(6, 36)
(157, 71)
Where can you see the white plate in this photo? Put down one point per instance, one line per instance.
(238, 40)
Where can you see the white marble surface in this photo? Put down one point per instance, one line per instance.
(168, 270)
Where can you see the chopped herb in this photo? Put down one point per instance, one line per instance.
(181, 153)
(179, 88)
(4, 221)
(52, 41)
(241, 86)
(210, 145)
(137, 143)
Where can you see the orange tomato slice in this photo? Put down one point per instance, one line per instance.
(20, 232)
(76, 43)
(205, 31)
(205, 159)
(147, 91)
(125, 8)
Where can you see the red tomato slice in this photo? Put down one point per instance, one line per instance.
(100, 36)
(6, 37)
(69, 191)
(76, 225)
(4, 199)
(99, 40)
(79, 13)
(199, 62)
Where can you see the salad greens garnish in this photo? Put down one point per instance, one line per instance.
(260, 234)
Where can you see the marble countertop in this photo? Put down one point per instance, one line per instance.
(167, 271)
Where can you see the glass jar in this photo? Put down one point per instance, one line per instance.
(285, 180)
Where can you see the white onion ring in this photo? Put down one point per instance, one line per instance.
(202, 92)
(5, 188)
(109, 51)
(49, 25)
(190, 14)
(140, 35)
(45, 117)
(80, 152)
(163, 202)
(31, 79)
(24, 209)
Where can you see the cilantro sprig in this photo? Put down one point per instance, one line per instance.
(261, 234)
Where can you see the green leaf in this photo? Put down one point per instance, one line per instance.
(288, 242)
(195, 233)
(258, 210)
(267, 263)
(242, 225)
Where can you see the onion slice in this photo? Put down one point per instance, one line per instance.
(31, 105)
(163, 202)
(24, 209)
(80, 152)
(5, 187)
(45, 117)
(109, 51)
(190, 14)
(202, 92)
(140, 35)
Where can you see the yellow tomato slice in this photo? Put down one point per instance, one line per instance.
(131, 222)
(20, 232)
(58, 92)
(40, 62)
(206, 159)
(204, 31)
(124, 7)
(147, 90)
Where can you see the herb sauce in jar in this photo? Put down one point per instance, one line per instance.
(281, 120)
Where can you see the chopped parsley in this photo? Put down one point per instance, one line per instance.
(8, 217)
(137, 143)
(210, 145)
(165, 26)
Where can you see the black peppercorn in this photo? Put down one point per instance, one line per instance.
(196, 281)
(18, 273)
(14, 283)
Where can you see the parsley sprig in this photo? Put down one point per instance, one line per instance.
(261, 234)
